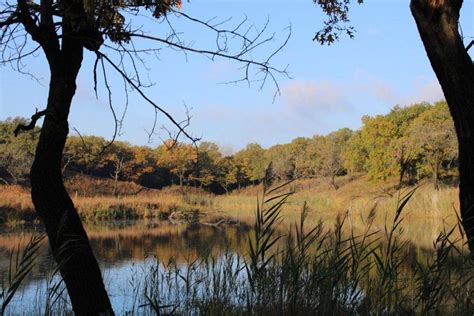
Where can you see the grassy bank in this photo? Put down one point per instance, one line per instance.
(426, 213)
(16, 205)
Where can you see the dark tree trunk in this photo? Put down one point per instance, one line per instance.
(435, 169)
(404, 164)
(67, 237)
(437, 22)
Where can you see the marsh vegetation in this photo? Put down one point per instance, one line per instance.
(282, 256)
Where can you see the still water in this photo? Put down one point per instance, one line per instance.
(125, 250)
(128, 250)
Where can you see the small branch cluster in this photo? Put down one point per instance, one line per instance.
(337, 23)
(14, 44)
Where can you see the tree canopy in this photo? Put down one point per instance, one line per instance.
(411, 142)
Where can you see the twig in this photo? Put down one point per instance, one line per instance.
(137, 88)
(35, 117)
(469, 46)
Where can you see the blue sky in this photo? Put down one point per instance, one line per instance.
(331, 87)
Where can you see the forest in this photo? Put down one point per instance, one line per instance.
(387, 188)
(409, 143)
(336, 224)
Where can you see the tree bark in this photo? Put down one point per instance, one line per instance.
(437, 22)
(67, 237)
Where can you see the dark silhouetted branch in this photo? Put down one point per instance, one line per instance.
(468, 47)
(144, 96)
(34, 118)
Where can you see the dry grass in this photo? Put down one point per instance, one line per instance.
(16, 205)
(83, 185)
(425, 215)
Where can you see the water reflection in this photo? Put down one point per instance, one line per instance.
(121, 242)
(122, 248)
(127, 250)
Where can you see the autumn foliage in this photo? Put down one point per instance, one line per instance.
(408, 143)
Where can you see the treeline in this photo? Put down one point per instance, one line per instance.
(409, 143)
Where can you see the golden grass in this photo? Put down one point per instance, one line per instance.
(425, 215)
(16, 205)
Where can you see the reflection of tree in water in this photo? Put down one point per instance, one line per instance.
(125, 241)
(206, 240)
(180, 242)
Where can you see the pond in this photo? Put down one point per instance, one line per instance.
(191, 269)
(125, 250)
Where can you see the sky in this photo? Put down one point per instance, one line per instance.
(330, 87)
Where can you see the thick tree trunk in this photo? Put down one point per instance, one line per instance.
(67, 237)
(437, 22)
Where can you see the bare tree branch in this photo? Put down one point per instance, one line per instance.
(35, 117)
(235, 43)
(217, 53)
(144, 96)
(468, 47)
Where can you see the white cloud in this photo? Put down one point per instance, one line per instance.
(311, 98)
(424, 90)
(383, 91)
(307, 108)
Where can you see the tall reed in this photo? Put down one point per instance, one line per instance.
(310, 271)
(319, 271)
(20, 265)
